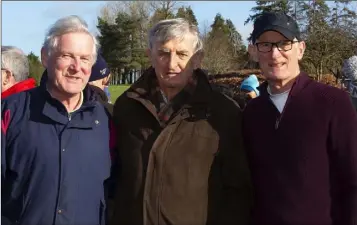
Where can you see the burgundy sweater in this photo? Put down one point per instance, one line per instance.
(303, 161)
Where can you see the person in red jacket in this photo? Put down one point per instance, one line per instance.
(14, 72)
(300, 135)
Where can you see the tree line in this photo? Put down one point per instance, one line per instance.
(329, 30)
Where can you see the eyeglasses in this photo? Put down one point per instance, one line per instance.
(281, 46)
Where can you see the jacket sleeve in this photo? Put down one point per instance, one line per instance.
(237, 191)
(343, 161)
(5, 122)
(6, 115)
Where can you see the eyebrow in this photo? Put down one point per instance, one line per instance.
(182, 51)
(163, 50)
(71, 53)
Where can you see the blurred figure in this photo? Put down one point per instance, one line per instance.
(99, 79)
(248, 91)
(100, 75)
(349, 70)
(250, 86)
(55, 141)
(107, 92)
(14, 71)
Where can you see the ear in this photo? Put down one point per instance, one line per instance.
(301, 49)
(197, 59)
(44, 57)
(7, 77)
(253, 53)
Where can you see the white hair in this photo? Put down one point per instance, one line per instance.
(14, 60)
(69, 24)
(166, 30)
(349, 68)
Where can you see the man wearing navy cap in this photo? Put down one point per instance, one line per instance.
(100, 77)
(303, 156)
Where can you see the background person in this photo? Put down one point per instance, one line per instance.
(14, 71)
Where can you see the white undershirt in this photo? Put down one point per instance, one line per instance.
(279, 100)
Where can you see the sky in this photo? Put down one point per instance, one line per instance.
(24, 23)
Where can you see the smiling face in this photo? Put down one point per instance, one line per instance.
(279, 65)
(69, 66)
(174, 61)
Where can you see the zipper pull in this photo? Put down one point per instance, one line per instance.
(277, 124)
(69, 117)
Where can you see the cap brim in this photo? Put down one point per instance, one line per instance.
(283, 31)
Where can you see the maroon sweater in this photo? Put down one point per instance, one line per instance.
(303, 161)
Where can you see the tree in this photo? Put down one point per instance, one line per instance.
(36, 68)
(162, 10)
(328, 42)
(224, 49)
(188, 14)
(124, 38)
(271, 6)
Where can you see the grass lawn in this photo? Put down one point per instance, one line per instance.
(116, 91)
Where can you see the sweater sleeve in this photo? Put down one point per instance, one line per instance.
(343, 161)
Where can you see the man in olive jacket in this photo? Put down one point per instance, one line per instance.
(179, 143)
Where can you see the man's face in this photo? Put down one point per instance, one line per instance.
(69, 67)
(174, 62)
(279, 65)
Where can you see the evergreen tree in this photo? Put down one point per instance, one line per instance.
(223, 47)
(188, 14)
(271, 6)
(36, 68)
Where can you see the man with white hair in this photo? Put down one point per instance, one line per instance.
(179, 143)
(55, 138)
(14, 71)
(349, 70)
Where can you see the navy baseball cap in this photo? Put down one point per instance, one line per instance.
(99, 70)
(276, 21)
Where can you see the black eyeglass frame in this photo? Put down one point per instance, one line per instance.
(276, 44)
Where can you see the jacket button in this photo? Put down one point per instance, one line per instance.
(63, 150)
(96, 122)
(59, 211)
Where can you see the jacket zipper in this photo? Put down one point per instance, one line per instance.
(278, 120)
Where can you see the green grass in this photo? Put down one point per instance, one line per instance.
(116, 91)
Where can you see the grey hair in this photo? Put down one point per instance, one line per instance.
(14, 60)
(166, 30)
(69, 24)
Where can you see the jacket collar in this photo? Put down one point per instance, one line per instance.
(56, 111)
(19, 87)
(300, 83)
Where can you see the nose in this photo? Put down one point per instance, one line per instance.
(173, 61)
(75, 65)
(275, 51)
